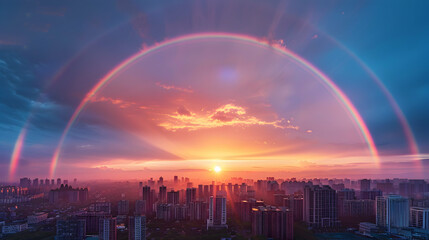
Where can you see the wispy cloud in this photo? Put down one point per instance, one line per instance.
(172, 87)
(119, 102)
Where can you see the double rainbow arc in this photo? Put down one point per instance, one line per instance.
(248, 39)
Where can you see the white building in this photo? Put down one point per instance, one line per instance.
(419, 217)
(392, 212)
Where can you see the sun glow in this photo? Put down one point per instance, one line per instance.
(217, 169)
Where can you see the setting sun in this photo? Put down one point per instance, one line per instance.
(217, 169)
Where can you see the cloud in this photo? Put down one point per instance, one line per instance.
(115, 101)
(172, 87)
(226, 115)
(183, 111)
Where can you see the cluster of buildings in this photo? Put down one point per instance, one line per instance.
(270, 207)
(67, 194)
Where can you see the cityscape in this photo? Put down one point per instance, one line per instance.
(214, 120)
(179, 208)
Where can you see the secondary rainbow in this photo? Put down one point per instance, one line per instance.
(16, 154)
(247, 39)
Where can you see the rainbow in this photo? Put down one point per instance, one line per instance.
(412, 143)
(16, 154)
(244, 38)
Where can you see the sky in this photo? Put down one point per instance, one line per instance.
(135, 89)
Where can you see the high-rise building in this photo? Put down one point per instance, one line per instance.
(165, 211)
(161, 181)
(36, 182)
(365, 184)
(320, 206)
(25, 182)
(413, 188)
(173, 197)
(358, 208)
(191, 195)
(123, 207)
(198, 210)
(206, 192)
(162, 196)
(107, 229)
(200, 192)
(176, 179)
(92, 220)
(272, 222)
(58, 181)
(217, 212)
(392, 212)
(296, 205)
(343, 195)
(71, 229)
(220, 211)
(137, 228)
(148, 200)
(419, 217)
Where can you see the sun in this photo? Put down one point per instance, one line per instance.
(217, 169)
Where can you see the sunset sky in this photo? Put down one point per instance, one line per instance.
(127, 90)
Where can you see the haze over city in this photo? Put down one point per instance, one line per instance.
(326, 89)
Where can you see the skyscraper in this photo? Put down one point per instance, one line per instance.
(107, 228)
(148, 200)
(320, 206)
(137, 228)
(392, 212)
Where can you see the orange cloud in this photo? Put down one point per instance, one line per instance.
(226, 115)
